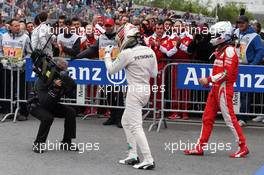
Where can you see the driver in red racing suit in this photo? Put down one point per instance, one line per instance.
(225, 72)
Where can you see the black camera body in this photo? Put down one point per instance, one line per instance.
(45, 68)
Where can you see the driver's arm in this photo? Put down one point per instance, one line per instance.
(119, 63)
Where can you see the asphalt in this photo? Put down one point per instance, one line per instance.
(17, 158)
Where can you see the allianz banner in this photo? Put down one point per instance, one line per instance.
(250, 78)
(91, 72)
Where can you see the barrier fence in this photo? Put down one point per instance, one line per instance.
(185, 95)
(14, 90)
(97, 89)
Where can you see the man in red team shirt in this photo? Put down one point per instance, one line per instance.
(177, 50)
(98, 26)
(87, 41)
(225, 72)
(158, 41)
(89, 38)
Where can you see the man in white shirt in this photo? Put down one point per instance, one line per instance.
(42, 35)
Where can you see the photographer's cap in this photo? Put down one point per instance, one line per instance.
(242, 19)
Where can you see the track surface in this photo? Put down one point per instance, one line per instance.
(16, 157)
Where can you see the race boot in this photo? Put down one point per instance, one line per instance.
(241, 153)
(197, 151)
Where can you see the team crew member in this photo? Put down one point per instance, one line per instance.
(30, 28)
(99, 27)
(225, 72)
(89, 39)
(76, 23)
(115, 96)
(140, 65)
(168, 26)
(177, 50)
(42, 35)
(69, 42)
(15, 44)
(158, 42)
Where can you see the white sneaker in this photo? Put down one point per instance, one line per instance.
(145, 165)
(242, 123)
(258, 119)
(129, 161)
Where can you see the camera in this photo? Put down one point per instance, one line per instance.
(45, 68)
(48, 71)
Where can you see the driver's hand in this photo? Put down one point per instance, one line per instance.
(203, 81)
(109, 49)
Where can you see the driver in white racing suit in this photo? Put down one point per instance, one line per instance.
(140, 65)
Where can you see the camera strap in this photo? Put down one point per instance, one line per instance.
(47, 42)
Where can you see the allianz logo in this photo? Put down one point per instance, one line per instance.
(117, 78)
(244, 80)
(93, 74)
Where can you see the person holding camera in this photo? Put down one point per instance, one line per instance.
(46, 106)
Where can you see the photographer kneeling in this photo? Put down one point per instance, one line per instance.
(46, 106)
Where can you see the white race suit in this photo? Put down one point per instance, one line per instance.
(140, 65)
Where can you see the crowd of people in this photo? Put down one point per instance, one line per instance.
(86, 35)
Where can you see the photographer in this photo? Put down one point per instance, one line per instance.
(201, 48)
(46, 106)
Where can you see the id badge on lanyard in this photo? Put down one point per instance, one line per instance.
(241, 46)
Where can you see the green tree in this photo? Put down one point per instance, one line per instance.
(180, 5)
(230, 12)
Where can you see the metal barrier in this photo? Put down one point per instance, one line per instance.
(103, 98)
(172, 100)
(17, 93)
(194, 101)
(5, 91)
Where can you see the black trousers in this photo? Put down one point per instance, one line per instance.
(46, 118)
